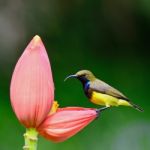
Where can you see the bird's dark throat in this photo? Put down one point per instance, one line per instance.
(83, 79)
(86, 84)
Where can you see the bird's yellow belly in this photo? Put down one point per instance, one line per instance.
(107, 100)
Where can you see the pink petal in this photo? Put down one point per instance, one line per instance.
(32, 88)
(66, 122)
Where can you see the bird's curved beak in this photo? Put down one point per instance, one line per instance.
(71, 76)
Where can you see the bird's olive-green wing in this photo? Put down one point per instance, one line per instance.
(103, 87)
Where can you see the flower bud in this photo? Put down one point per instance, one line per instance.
(32, 88)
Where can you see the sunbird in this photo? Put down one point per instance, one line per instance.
(101, 93)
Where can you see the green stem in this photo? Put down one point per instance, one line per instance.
(31, 139)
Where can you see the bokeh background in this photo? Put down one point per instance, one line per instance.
(110, 38)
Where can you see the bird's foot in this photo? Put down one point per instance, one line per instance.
(98, 111)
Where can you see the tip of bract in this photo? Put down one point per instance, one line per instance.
(35, 43)
(36, 38)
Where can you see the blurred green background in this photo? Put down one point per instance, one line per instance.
(110, 38)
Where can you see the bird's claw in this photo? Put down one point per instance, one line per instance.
(101, 109)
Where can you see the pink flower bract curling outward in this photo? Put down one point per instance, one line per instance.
(66, 122)
(32, 88)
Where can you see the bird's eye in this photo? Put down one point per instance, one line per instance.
(83, 75)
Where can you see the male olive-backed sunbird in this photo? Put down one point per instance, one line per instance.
(101, 93)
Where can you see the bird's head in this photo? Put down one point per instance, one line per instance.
(83, 76)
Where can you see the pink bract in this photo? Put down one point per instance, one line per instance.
(32, 88)
(66, 122)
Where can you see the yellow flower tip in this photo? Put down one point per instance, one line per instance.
(36, 42)
(36, 38)
(54, 107)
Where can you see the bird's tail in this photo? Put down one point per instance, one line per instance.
(136, 107)
(129, 103)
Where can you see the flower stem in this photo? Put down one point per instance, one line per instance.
(31, 139)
